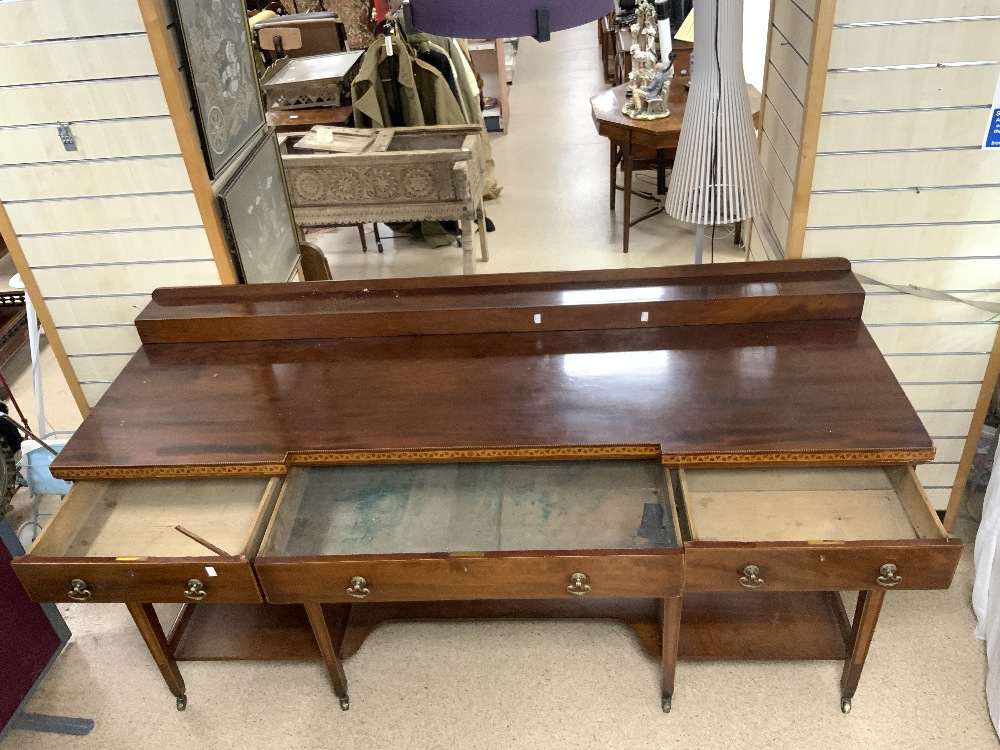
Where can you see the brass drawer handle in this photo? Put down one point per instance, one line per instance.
(578, 584)
(888, 577)
(359, 588)
(195, 590)
(750, 578)
(79, 592)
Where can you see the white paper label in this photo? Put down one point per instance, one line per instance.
(210, 571)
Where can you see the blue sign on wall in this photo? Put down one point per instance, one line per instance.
(993, 133)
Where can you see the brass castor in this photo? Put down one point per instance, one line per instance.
(845, 705)
(182, 702)
(665, 704)
(345, 703)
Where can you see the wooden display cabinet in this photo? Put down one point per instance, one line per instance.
(118, 542)
(365, 535)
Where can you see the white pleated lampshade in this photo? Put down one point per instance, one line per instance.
(716, 174)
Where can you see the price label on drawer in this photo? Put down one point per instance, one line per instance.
(210, 571)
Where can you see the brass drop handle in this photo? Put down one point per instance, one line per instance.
(359, 588)
(195, 590)
(751, 577)
(79, 591)
(578, 584)
(888, 577)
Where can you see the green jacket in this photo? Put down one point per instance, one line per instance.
(424, 93)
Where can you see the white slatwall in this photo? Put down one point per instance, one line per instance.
(103, 226)
(781, 126)
(903, 190)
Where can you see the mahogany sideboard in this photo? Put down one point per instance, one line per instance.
(698, 451)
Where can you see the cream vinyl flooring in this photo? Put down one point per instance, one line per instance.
(499, 685)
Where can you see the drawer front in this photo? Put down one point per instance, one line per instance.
(843, 567)
(465, 578)
(138, 581)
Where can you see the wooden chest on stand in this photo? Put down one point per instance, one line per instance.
(389, 175)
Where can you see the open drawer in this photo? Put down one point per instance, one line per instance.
(117, 541)
(472, 531)
(824, 529)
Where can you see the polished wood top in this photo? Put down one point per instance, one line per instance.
(803, 386)
(505, 303)
(664, 132)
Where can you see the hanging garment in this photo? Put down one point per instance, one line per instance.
(468, 91)
(425, 96)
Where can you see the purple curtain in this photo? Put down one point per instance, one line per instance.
(493, 19)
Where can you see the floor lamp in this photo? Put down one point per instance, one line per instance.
(716, 175)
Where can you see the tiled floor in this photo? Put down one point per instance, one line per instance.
(535, 684)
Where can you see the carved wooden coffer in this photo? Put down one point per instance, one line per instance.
(402, 174)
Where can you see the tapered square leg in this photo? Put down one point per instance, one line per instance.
(152, 633)
(335, 668)
(670, 627)
(862, 629)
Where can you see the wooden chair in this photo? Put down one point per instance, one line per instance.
(300, 35)
(315, 266)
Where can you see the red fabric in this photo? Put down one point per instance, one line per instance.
(381, 10)
(27, 640)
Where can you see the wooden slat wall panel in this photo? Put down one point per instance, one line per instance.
(33, 20)
(938, 496)
(782, 98)
(116, 247)
(937, 474)
(936, 339)
(865, 11)
(786, 81)
(106, 177)
(76, 60)
(102, 226)
(950, 273)
(93, 100)
(906, 308)
(783, 142)
(776, 175)
(891, 169)
(89, 311)
(92, 281)
(943, 128)
(103, 368)
(96, 214)
(790, 64)
(865, 46)
(947, 396)
(938, 368)
(808, 7)
(775, 214)
(123, 339)
(948, 451)
(909, 87)
(794, 25)
(952, 423)
(867, 243)
(94, 140)
(93, 392)
(910, 207)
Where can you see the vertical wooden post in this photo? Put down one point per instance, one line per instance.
(175, 89)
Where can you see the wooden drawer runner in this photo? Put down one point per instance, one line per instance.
(464, 578)
(811, 530)
(118, 542)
